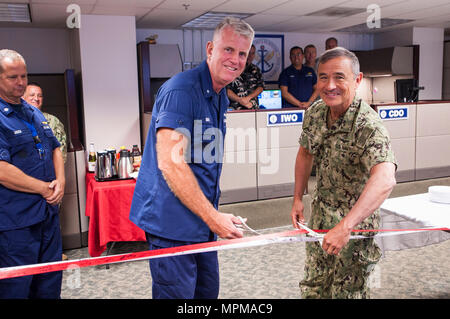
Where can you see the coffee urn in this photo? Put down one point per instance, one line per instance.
(125, 168)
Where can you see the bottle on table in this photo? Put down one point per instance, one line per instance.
(136, 157)
(92, 159)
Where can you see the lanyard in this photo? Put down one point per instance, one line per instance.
(36, 138)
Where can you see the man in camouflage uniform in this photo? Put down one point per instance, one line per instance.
(244, 90)
(355, 174)
(34, 96)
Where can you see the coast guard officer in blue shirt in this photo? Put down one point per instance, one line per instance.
(177, 192)
(31, 186)
(298, 82)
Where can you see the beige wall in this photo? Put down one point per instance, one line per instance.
(44, 50)
(110, 81)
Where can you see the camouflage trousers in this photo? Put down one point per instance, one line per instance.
(345, 276)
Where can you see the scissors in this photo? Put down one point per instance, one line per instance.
(312, 233)
(244, 227)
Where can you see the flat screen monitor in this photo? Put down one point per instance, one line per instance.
(406, 90)
(270, 99)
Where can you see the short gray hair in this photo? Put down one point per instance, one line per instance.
(337, 53)
(239, 26)
(9, 54)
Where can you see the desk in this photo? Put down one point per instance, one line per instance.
(414, 211)
(108, 207)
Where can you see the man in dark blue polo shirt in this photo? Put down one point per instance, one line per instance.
(31, 186)
(297, 82)
(177, 192)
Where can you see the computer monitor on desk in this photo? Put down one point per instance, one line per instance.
(406, 90)
(270, 99)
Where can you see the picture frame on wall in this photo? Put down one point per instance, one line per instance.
(269, 56)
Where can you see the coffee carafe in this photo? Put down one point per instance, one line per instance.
(100, 167)
(111, 166)
(125, 168)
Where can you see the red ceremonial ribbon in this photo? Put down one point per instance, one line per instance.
(26, 270)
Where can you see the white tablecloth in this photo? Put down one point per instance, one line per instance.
(409, 212)
(420, 209)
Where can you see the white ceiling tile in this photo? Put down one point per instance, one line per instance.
(62, 2)
(120, 11)
(401, 8)
(366, 3)
(338, 23)
(302, 24)
(15, 1)
(165, 18)
(262, 20)
(201, 5)
(127, 3)
(300, 7)
(248, 6)
(427, 13)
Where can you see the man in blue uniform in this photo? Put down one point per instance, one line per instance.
(298, 82)
(177, 192)
(31, 186)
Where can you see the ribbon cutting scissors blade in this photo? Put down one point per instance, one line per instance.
(312, 232)
(243, 226)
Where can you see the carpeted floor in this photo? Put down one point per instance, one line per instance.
(274, 271)
(270, 271)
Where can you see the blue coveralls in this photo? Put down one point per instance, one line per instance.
(188, 103)
(29, 226)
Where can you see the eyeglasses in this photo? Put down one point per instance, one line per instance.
(298, 54)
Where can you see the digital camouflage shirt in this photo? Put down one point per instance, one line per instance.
(249, 80)
(58, 130)
(344, 156)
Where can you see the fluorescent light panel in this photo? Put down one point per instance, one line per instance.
(14, 12)
(210, 20)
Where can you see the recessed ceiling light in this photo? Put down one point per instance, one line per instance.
(210, 20)
(14, 12)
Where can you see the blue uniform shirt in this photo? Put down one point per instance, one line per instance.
(17, 147)
(299, 82)
(188, 103)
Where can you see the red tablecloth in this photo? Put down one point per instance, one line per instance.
(108, 208)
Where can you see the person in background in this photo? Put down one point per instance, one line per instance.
(35, 97)
(331, 43)
(297, 82)
(311, 61)
(31, 187)
(355, 168)
(310, 56)
(244, 90)
(177, 192)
